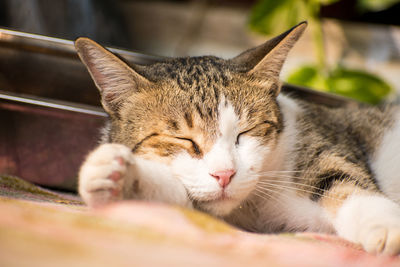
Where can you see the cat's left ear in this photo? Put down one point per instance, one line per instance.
(265, 62)
(114, 78)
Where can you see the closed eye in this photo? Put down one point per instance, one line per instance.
(143, 140)
(267, 122)
(196, 148)
(242, 133)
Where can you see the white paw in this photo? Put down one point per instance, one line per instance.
(382, 239)
(104, 174)
(372, 221)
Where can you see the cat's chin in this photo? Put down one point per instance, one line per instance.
(219, 207)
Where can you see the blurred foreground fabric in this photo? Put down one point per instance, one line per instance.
(39, 227)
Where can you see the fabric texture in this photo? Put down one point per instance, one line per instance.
(39, 227)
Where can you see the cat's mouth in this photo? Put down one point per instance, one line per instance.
(221, 197)
(220, 205)
(224, 196)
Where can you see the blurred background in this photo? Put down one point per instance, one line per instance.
(352, 47)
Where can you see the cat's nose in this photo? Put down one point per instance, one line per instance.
(223, 177)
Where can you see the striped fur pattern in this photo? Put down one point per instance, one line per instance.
(217, 135)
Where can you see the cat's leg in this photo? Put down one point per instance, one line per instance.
(364, 217)
(111, 173)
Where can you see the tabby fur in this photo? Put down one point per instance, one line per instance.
(218, 135)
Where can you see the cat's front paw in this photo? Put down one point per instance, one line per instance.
(372, 221)
(104, 173)
(382, 239)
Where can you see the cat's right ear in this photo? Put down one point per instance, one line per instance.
(114, 78)
(265, 62)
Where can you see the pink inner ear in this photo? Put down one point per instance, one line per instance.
(98, 77)
(109, 96)
(101, 81)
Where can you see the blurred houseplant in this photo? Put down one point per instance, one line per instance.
(275, 16)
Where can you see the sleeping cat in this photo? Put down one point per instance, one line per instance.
(218, 136)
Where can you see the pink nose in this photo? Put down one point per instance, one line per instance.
(223, 177)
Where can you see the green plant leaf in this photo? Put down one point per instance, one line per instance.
(274, 17)
(376, 5)
(309, 76)
(356, 84)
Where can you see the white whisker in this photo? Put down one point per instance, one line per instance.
(295, 183)
(297, 189)
(270, 196)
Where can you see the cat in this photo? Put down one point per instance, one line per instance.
(218, 136)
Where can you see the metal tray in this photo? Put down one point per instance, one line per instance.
(50, 110)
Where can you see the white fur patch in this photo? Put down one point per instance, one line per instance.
(385, 163)
(282, 157)
(372, 221)
(296, 213)
(155, 180)
(253, 161)
(224, 155)
(159, 184)
(284, 206)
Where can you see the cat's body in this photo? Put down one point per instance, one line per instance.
(216, 135)
(329, 147)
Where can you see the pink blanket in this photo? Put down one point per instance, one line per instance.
(44, 228)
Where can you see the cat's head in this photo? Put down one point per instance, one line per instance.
(215, 122)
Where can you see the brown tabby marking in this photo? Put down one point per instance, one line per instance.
(336, 145)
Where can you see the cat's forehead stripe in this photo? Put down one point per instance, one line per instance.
(228, 119)
(196, 73)
(173, 125)
(188, 119)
